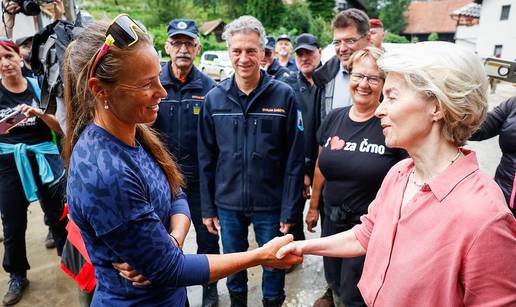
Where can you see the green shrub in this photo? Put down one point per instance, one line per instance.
(395, 38)
(433, 36)
(210, 43)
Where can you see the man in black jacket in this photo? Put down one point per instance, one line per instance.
(250, 157)
(308, 59)
(178, 114)
(350, 33)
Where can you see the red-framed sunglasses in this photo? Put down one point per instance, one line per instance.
(121, 33)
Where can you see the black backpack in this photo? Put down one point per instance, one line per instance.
(47, 60)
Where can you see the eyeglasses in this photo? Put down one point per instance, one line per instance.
(348, 41)
(121, 33)
(372, 80)
(179, 44)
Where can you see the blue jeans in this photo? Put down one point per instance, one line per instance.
(234, 226)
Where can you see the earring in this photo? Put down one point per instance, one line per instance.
(106, 105)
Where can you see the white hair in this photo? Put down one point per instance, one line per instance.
(452, 75)
(245, 24)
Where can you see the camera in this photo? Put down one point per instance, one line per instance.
(501, 69)
(31, 7)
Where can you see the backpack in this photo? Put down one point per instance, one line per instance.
(75, 260)
(47, 60)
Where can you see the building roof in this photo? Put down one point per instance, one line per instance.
(469, 10)
(210, 26)
(432, 16)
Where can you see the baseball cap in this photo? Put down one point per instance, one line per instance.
(306, 41)
(270, 42)
(285, 37)
(375, 23)
(22, 40)
(182, 26)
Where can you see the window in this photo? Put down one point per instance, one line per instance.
(498, 51)
(210, 57)
(505, 12)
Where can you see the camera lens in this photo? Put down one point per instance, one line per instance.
(30, 8)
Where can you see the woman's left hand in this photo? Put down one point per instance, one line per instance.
(129, 273)
(30, 111)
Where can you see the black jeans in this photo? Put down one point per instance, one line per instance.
(343, 274)
(298, 229)
(207, 243)
(13, 207)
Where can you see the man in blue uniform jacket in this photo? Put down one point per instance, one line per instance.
(251, 157)
(284, 52)
(177, 123)
(270, 64)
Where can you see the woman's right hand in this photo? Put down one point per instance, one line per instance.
(129, 273)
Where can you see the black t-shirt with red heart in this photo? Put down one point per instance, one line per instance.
(354, 160)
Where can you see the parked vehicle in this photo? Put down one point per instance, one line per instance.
(216, 64)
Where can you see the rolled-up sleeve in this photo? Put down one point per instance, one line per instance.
(180, 206)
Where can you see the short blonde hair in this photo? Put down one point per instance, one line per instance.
(371, 52)
(452, 75)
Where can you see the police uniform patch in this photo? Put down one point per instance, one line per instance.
(196, 110)
(300, 124)
(181, 25)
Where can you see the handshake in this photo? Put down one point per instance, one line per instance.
(281, 252)
(278, 253)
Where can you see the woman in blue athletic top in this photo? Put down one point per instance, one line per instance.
(124, 189)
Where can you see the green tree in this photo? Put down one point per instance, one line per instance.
(236, 8)
(321, 29)
(433, 36)
(267, 11)
(372, 8)
(392, 15)
(297, 17)
(322, 8)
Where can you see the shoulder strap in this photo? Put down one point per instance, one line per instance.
(35, 87)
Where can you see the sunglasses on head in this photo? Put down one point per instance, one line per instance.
(121, 33)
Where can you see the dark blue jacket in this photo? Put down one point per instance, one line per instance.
(309, 101)
(277, 71)
(252, 159)
(178, 115)
(291, 64)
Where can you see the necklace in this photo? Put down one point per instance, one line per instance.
(413, 172)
